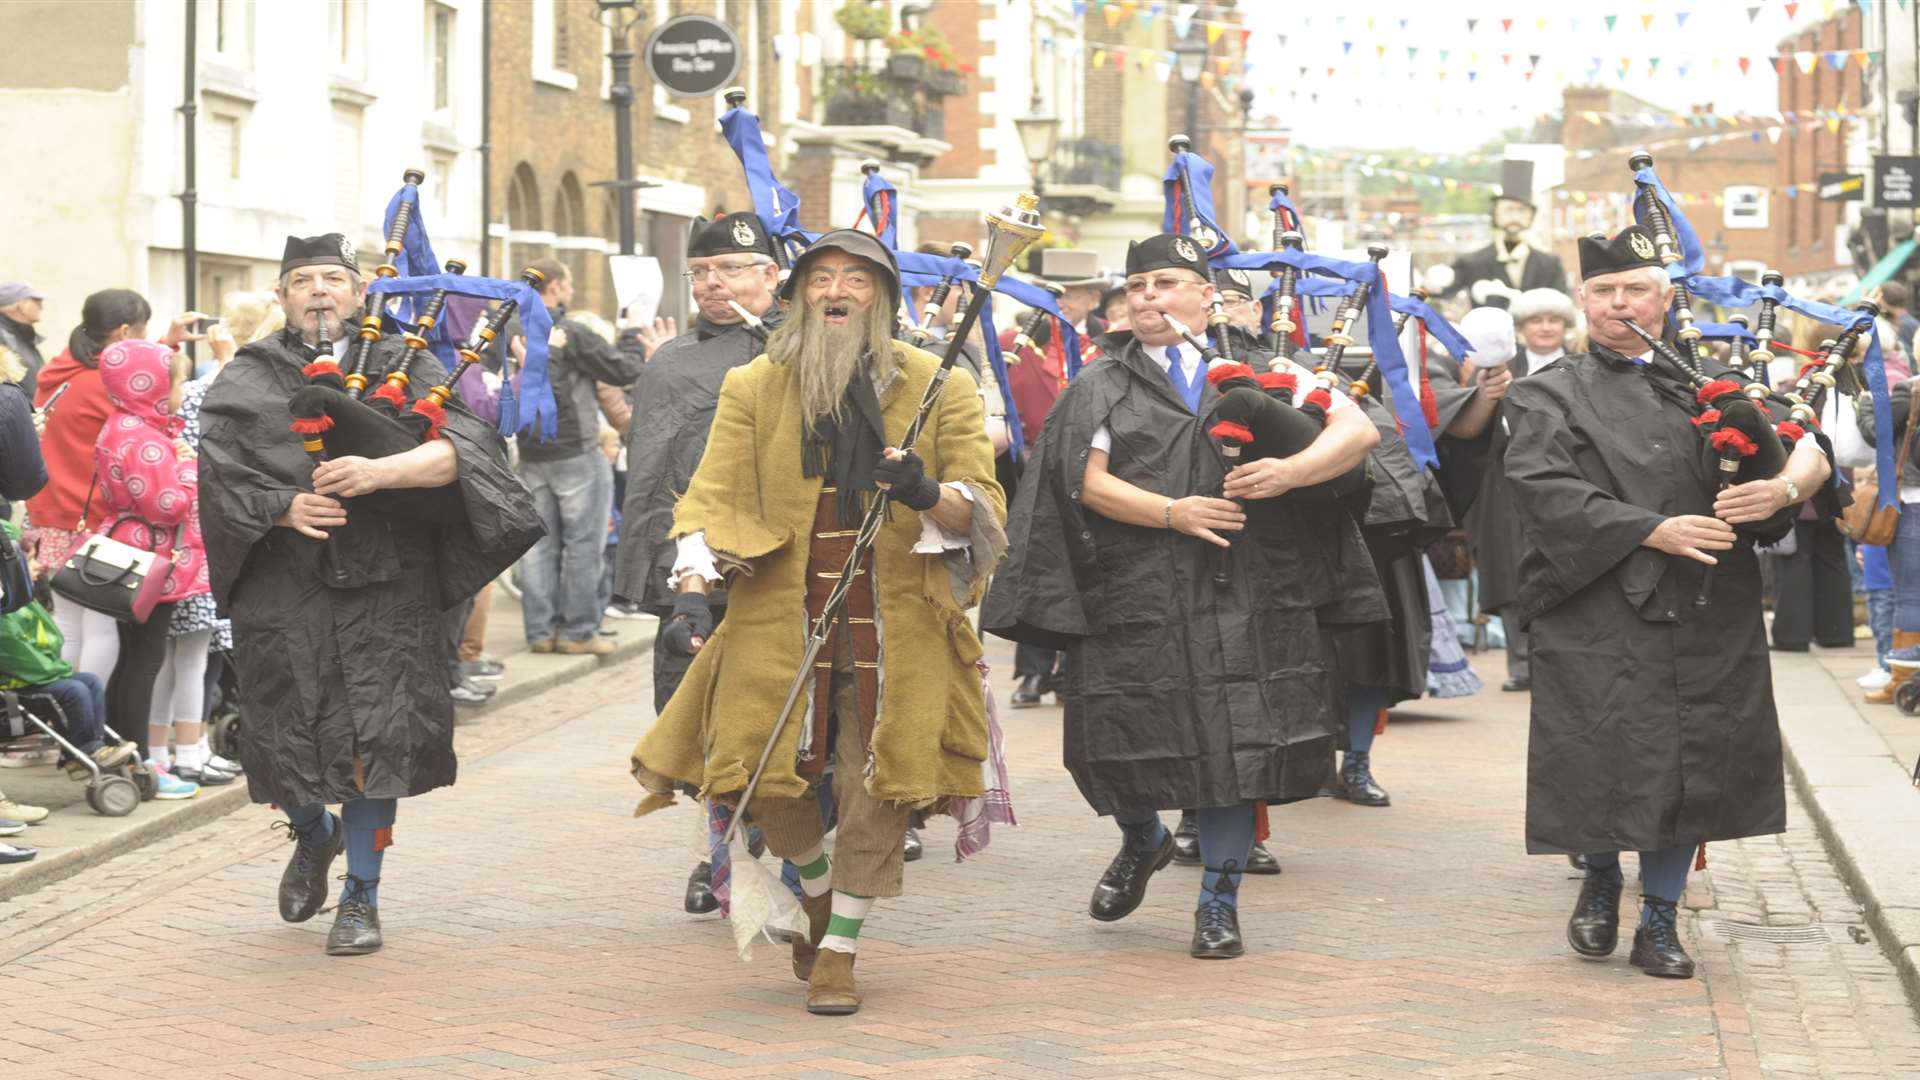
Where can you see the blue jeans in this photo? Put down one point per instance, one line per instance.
(1880, 618)
(560, 577)
(1903, 558)
(83, 698)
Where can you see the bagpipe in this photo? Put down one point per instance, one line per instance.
(336, 416)
(1749, 429)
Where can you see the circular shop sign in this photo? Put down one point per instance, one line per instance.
(693, 55)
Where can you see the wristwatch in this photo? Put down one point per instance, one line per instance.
(1793, 491)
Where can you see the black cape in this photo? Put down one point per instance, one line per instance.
(1653, 720)
(1542, 270)
(338, 644)
(1179, 692)
(673, 402)
(1473, 471)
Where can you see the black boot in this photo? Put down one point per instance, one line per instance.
(356, 923)
(1261, 861)
(914, 849)
(1124, 885)
(1216, 923)
(1186, 840)
(1028, 694)
(1594, 928)
(699, 899)
(1656, 946)
(1357, 778)
(303, 884)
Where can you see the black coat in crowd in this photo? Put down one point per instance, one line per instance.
(338, 643)
(1180, 692)
(1653, 720)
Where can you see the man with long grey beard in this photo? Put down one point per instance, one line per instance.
(802, 440)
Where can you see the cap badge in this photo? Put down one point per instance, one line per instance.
(1184, 250)
(1641, 246)
(346, 252)
(743, 233)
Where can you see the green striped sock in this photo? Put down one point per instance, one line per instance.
(816, 874)
(843, 929)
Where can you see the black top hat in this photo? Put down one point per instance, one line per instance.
(1516, 182)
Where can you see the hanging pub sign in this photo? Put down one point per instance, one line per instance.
(1894, 176)
(693, 55)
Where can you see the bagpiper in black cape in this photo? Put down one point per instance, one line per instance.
(338, 644)
(1180, 693)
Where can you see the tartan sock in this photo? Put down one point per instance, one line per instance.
(816, 871)
(849, 914)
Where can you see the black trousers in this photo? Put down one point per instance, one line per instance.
(143, 648)
(1812, 591)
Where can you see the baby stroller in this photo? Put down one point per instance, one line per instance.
(31, 719)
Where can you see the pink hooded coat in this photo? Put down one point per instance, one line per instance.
(148, 491)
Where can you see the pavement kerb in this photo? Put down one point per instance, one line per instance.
(528, 674)
(1861, 799)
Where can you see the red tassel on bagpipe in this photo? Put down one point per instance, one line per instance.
(1429, 404)
(312, 425)
(1716, 389)
(391, 394)
(321, 368)
(1733, 442)
(1319, 397)
(1227, 429)
(1711, 416)
(435, 413)
(1220, 373)
(1790, 432)
(1278, 380)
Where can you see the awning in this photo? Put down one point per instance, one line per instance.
(1882, 271)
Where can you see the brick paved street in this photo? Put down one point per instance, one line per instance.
(534, 929)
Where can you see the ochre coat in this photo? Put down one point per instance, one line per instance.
(750, 499)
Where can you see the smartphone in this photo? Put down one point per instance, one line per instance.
(52, 400)
(200, 325)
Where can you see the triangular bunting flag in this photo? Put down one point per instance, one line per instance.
(1505, 58)
(1753, 13)
(1860, 57)
(1346, 47)
(1412, 50)
(1506, 25)
(1471, 25)
(1646, 22)
(1745, 63)
(1379, 52)
(1611, 19)
(1533, 60)
(1214, 30)
(1806, 58)
(1113, 19)
(1791, 8)
(1837, 60)
(1680, 18)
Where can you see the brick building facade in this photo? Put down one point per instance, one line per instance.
(551, 141)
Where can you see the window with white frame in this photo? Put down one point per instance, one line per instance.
(347, 37)
(663, 105)
(1746, 207)
(549, 51)
(222, 151)
(440, 51)
(228, 35)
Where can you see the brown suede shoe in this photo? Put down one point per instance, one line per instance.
(819, 910)
(830, 992)
(542, 646)
(593, 646)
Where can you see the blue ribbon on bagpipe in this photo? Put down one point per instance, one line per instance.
(1729, 292)
(1280, 202)
(1380, 336)
(883, 208)
(773, 202)
(1191, 174)
(918, 269)
(535, 411)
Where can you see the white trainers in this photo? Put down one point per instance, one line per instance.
(1876, 679)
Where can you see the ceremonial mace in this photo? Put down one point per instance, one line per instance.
(1009, 233)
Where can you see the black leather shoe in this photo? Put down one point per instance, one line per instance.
(1514, 686)
(1028, 693)
(1594, 929)
(1124, 885)
(1216, 925)
(1261, 861)
(699, 899)
(1186, 840)
(1656, 946)
(1356, 776)
(1578, 862)
(913, 846)
(356, 922)
(303, 885)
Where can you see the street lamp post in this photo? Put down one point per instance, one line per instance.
(1192, 56)
(621, 17)
(1038, 131)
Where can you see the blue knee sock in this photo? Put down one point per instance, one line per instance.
(313, 823)
(1363, 712)
(1663, 874)
(1226, 839)
(1143, 831)
(366, 820)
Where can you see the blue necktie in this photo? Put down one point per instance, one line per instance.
(1189, 391)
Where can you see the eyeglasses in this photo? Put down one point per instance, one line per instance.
(727, 271)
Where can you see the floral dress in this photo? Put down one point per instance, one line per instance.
(197, 613)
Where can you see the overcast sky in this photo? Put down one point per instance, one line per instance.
(1404, 101)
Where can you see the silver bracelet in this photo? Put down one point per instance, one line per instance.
(1166, 515)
